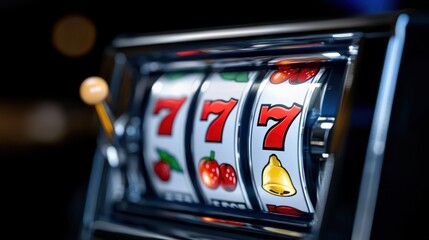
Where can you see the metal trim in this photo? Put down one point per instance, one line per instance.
(253, 31)
(378, 135)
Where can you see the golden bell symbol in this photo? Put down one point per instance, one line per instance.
(276, 180)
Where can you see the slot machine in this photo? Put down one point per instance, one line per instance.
(275, 131)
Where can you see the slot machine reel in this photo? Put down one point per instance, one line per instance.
(245, 141)
(281, 173)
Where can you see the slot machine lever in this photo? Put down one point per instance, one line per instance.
(93, 91)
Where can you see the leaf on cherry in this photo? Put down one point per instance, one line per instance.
(228, 75)
(169, 159)
(235, 76)
(174, 75)
(242, 77)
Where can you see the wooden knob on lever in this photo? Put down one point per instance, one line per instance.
(93, 91)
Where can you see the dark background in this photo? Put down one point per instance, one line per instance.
(45, 176)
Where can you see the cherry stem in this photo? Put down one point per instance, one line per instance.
(212, 155)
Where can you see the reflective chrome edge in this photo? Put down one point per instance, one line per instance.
(238, 32)
(244, 94)
(92, 193)
(315, 83)
(378, 135)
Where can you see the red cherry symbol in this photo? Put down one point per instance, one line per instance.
(305, 74)
(209, 171)
(283, 74)
(162, 170)
(284, 210)
(294, 75)
(228, 177)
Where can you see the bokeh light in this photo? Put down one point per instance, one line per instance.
(74, 35)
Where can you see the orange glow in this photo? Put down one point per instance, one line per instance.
(73, 35)
(300, 60)
(222, 221)
(188, 53)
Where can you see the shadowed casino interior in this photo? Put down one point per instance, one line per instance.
(48, 135)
